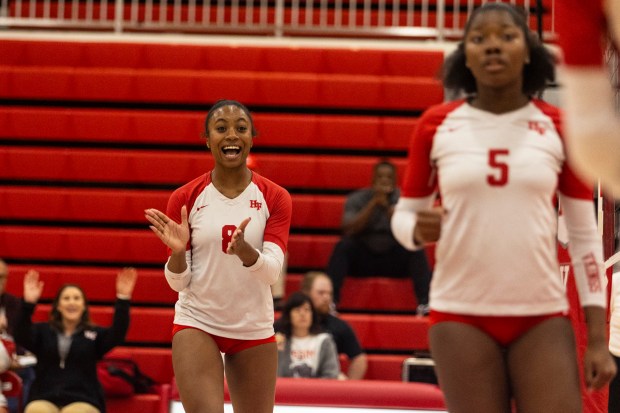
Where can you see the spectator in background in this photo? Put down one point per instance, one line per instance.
(10, 308)
(69, 345)
(318, 286)
(368, 247)
(304, 350)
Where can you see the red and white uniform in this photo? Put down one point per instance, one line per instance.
(217, 294)
(497, 176)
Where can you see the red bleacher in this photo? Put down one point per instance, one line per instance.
(96, 205)
(183, 127)
(385, 294)
(282, 59)
(185, 74)
(375, 331)
(97, 282)
(157, 363)
(196, 87)
(357, 393)
(141, 403)
(126, 246)
(144, 167)
(373, 293)
(76, 180)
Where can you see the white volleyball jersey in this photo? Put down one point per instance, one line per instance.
(497, 175)
(223, 297)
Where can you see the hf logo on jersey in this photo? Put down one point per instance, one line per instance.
(255, 204)
(592, 273)
(536, 127)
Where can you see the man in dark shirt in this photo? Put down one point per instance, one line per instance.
(368, 247)
(318, 287)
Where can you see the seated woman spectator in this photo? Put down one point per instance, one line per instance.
(69, 345)
(303, 349)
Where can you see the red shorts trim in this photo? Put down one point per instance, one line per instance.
(503, 329)
(228, 345)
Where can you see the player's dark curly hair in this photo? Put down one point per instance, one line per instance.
(536, 74)
(227, 102)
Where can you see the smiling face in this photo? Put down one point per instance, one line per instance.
(496, 50)
(229, 136)
(71, 305)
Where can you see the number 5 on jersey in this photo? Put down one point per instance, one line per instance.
(497, 161)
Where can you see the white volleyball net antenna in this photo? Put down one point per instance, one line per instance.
(609, 207)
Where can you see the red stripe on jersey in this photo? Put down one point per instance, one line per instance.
(568, 182)
(277, 198)
(420, 176)
(186, 195)
(280, 207)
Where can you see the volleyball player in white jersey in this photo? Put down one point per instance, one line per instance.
(499, 328)
(592, 121)
(227, 233)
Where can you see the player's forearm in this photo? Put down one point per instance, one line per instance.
(177, 263)
(586, 250)
(268, 266)
(588, 98)
(592, 126)
(596, 319)
(612, 10)
(177, 272)
(357, 367)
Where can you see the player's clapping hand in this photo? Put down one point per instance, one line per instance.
(174, 235)
(237, 244)
(240, 247)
